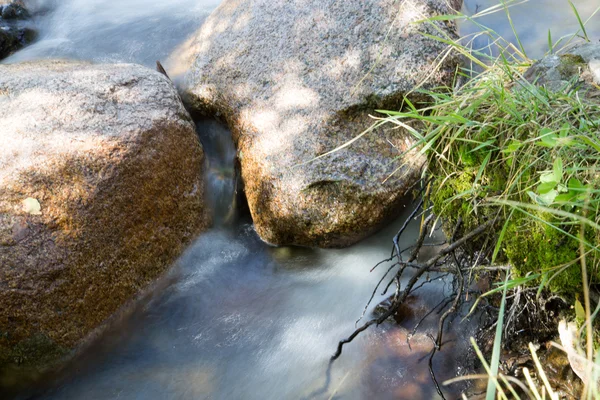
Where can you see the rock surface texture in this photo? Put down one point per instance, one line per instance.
(14, 32)
(100, 188)
(294, 80)
(578, 67)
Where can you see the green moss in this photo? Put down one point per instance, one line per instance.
(453, 197)
(38, 350)
(532, 247)
(570, 66)
(529, 245)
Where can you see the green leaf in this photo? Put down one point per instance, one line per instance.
(579, 311)
(549, 141)
(513, 146)
(547, 138)
(581, 24)
(547, 177)
(533, 197)
(557, 168)
(449, 17)
(482, 168)
(546, 187)
(548, 198)
(484, 144)
(545, 199)
(565, 197)
(501, 237)
(575, 183)
(496, 349)
(588, 141)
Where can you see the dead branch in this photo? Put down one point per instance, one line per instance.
(421, 269)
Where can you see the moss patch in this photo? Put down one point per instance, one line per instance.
(525, 156)
(570, 65)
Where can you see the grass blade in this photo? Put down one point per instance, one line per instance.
(495, 362)
(512, 26)
(581, 24)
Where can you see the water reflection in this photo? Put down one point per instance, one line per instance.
(532, 19)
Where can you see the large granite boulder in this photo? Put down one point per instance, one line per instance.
(101, 187)
(294, 80)
(14, 33)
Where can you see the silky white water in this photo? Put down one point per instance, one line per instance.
(140, 31)
(237, 319)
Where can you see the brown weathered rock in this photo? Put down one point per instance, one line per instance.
(295, 79)
(112, 157)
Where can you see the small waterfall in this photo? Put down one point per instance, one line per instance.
(222, 180)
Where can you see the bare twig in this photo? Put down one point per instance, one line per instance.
(375, 290)
(421, 269)
(402, 229)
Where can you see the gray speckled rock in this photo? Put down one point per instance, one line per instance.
(579, 66)
(113, 159)
(294, 79)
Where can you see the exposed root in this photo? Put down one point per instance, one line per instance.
(450, 260)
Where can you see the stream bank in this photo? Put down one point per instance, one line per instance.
(238, 318)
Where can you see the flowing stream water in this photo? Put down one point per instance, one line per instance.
(237, 319)
(532, 20)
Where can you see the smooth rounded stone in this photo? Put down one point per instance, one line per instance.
(102, 183)
(296, 79)
(578, 67)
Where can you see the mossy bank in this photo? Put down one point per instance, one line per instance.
(519, 143)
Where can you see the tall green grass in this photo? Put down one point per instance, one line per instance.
(500, 146)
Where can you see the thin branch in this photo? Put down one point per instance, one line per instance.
(403, 228)
(411, 283)
(375, 291)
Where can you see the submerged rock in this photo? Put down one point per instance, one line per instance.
(13, 10)
(294, 80)
(13, 34)
(102, 187)
(14, 38)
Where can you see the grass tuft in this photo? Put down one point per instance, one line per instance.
(504, 147)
